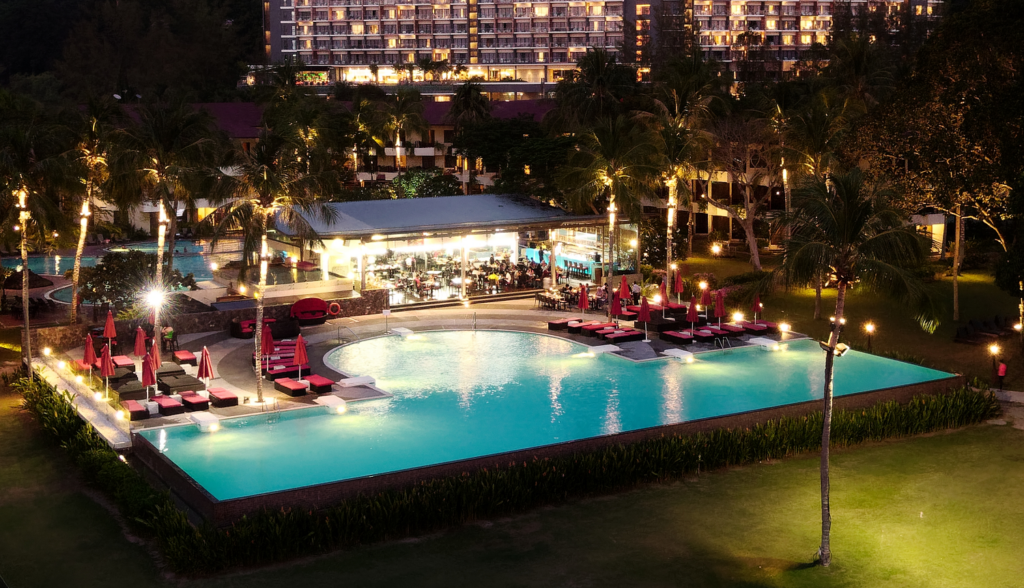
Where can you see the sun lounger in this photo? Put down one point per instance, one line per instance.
(123, 361)
(179, 384)
(677, 337)
(290, 387)
(591, 330)
(221, 398)
(624, 336)
(136, 412)
(626, 316)
(716, 331)
(754, 327)
(772, 327)
(169, 369)
(168, 406)
(194, 402)
(319, 384)
(608, 330)
(284, 371)
(183, 357)
(733, 330)
(577, 328)
(562, 324)
(653, 308)
(702, 336)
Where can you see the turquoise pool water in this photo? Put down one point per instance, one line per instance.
(465, 394)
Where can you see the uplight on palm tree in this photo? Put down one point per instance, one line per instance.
(845, 228)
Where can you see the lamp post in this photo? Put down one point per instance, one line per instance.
(703, 286)
(870, 329)
(23, 217)
(84, 228)
(993, 350)
(161, 235)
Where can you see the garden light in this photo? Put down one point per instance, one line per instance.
(241, 288)
(784, 327)
(993, 349)
(703, 285)
(673, 266)
(47, 351)
(870, 328)
(632, 243)
(61, 365)
(79, 379)
(214, 266)
(737, 317)
(155, 298)
(716, 249)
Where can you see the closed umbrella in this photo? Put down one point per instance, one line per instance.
(679, 285)
(644, 316)
(691, 313)
(300, 354)
(109, 332)
(757, 306)
(719, 306)
(624, 289)
(266, 342)
(205, 371)
(90, 354)
(140, 342)
(148, 374)
(705, 300)
(584, 301)
(154, 355)
(616, 307)
(106, 368)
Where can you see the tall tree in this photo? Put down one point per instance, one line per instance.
(844, 226)
(599, 88)
(470, 106)
(271, 187)
(615, 165)
(403, 113)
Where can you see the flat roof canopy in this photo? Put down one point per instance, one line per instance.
(445, 214)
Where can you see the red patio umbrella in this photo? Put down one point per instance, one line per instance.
(90, 354)
(148, 375)
(300, 354)
(691, 313)
(109, 332)
(106, 367)
(266, 341)
(757, 306)
(584, 302)
(644, 316)
(205, 371)
(719, 306)
(705, 300)
(154, 355)
(624, 288)
(140, 342)
(679, 285)
(616, 308)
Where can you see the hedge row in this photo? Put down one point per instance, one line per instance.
(513, 487)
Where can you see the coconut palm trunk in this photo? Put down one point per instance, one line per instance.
(24, 293)
(161, 232)
(76, 274)
(258, 331)
(825, 551)
(671, 222)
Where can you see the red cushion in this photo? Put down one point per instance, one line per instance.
(220, 393)
(290, 384)
(307, 305)
(315, 380)
(184, 355)
(165, 401)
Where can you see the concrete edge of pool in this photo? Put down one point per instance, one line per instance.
(224, 512)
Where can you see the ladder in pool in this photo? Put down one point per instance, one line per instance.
(722, 342)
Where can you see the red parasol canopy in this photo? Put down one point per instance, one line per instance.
(584, 301)
(679, 282)
(205, 365)
(691, 313)
(140, 342)
(109, 331)
(301, 356)
(757, 306)
(719, 305)
(705, 297)
(154, 355)
(90, 351)
(664, 291)
(623, 288)
(616, 308)
(266, 341)
(148, 375)
(106, 364)
(645, 311)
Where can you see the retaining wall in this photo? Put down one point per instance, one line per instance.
(223, 512)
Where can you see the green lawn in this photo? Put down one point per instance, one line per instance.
(896, 328)
(940, 511)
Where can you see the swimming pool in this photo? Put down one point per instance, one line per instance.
(465, 394)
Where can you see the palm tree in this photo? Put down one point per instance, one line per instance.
(403, 114)
(469, 106)
(596, 89)
(846, 227)
(616, 164)
(374, 71)
(272, 187)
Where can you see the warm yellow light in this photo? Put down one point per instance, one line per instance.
(776, 348)
(98, 396)
(214, 266)
(78, 379)
(377, 238)
(716, 249)
(155, 298)
(633, 243)
(241, 288)
(673, 266)
(993, 349)
(737, 317)
(657, 298)
(61, 365)
(698, 308)
(784, 327)
(870, 327)
(1018, 327)
(689, 359)
(703, 285)
(47, 351)
(214, 427)
(340, 409)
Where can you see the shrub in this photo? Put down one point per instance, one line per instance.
(513, 487)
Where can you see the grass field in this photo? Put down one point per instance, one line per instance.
(936, 511)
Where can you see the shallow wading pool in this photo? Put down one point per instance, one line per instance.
(465, 394)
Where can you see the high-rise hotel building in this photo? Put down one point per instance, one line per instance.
(530, 41)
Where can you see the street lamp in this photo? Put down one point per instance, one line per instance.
(716, 249)
(870, 328)
(784, 328)
(737, 317)
(993, 349)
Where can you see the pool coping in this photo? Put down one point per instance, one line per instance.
(317, 496)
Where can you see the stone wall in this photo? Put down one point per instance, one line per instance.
(69, 337)
(223, 512)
